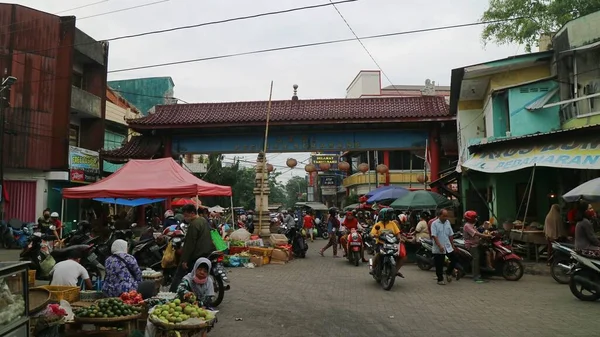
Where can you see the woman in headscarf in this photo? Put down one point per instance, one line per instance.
(553, 226)
(198, 283)
(122, 271)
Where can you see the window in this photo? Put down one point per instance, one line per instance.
(113, 140)
(77, 80)
(74, 135)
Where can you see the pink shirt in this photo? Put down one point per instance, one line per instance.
(471, 239)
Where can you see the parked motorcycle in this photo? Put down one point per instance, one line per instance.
(19, 234)
(35, 253)
(216, 259)
(561, 262)
(585, 276)
(321, 228)
(81, 234)
(506, 263)
(385, 272)
(298, 242)
(424, 255)
(147, 253)
(355, 246)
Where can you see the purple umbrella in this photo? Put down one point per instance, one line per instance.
(392, 192)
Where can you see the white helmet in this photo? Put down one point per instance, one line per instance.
(54, 215)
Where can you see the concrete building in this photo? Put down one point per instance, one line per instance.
(408, 166)
(55, 123)
(146, 93)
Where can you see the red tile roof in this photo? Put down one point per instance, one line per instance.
(302, 111)
(138, 147)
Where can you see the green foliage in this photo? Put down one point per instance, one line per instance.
(532, 18)
(241, 180)
(296, 189)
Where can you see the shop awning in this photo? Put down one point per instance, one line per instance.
(570, 153)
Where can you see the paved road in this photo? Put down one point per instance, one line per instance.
(322, 296)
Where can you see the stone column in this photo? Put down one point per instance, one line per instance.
(261, 186)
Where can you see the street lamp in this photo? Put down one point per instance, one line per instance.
(6, 84)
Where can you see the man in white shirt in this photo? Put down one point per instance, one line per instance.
(68, 272)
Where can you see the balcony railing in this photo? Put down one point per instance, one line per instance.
(89, 105)
(396, 177)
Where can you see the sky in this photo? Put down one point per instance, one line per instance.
(320, 72)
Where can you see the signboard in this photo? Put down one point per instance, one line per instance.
(576, 154)
(329, 180)
(84, 165)
(281, 141)
(333, 160)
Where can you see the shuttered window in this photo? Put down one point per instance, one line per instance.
(21, 200)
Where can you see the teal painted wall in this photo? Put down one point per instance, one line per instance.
(55, 200)
(524, 122)
(500, 115)
(112, 140)
(145, 93)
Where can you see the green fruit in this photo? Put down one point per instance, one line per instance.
(92, 315)
(178, 309)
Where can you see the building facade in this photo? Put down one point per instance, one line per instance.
(55, 122)
(146, 93)
(407, 167)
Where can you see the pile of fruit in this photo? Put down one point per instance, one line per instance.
(132, 298)
(176, 312)
(108, 308)
(238, 243)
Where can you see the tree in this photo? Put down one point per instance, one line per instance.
(524, 21)
(296, 188)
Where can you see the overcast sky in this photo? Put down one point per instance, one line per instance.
(321, 72)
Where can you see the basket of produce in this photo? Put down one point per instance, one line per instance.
(38, 300)
(59, 293)
(51, 316)
(90, 295)
(177, 315)
(132, 298)
(107, 310)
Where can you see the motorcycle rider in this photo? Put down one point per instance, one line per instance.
(386, 223)
(169, 219)
(472, 237)
(351, 222)
(288, 219)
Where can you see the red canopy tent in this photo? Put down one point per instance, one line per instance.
(156, 178)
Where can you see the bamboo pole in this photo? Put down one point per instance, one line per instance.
(528, 201)
(264, 163)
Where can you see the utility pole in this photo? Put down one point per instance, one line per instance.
(4, 103)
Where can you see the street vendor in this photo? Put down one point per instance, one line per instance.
(198, 284)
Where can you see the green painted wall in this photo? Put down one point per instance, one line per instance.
(145, 93)
(523, 121)
(500, 114)
(112, 140)
(55, 200)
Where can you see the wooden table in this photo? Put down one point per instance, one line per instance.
(533, 238)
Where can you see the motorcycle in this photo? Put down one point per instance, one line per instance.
(298, 242)
(78, 236)
(321, 229)
(561, 262)
(424, 255)
(19, 234)
(385, 272)
(585, 276)
(37, 252)
(368, 240)
(6, 236)
(355, 246)
(216, 259)
(506, 264)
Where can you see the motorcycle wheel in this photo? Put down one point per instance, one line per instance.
(512, 270)
(356, 258)
(558, 273)
(325, 236)
(388, 277)
(219, 290)
(574, 286)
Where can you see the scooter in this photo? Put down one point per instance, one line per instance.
(321, 229)
(506, 263)
(385, 272)
(216, 259)
(424, 255)
(368, 241)
(36, 253)
(561, 262)
(355, 246)
(20, 234)
(585, 276)
(299, 245)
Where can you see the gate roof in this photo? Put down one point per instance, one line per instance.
(312, 111)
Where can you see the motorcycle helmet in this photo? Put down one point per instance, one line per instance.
(386, 214)
(333, 211)
(54, 215)
(470, 216)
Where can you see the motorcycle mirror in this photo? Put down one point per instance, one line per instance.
(133, 225)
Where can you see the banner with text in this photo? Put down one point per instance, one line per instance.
(331, 159)
(576, 154)
(84, 165)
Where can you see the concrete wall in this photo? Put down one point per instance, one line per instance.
(470, 125)
(583, 30)
(523, 121)
(155, 91)
(89, 47)
(366, 83)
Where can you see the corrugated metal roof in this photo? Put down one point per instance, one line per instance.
(540, 102)
(486, 142)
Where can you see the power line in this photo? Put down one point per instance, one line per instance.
(364, 47)
(161, 31)
(56, 13)
(313, 44)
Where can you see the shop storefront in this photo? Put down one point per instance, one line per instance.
(522, 177)
(84, 168)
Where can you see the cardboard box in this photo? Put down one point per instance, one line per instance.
(280, 255)
(259, 261)
(278, 239)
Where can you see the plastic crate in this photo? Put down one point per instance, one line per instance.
(236, 250)
(59, 293)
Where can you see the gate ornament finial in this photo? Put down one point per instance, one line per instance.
(295, 96)
(429, 89)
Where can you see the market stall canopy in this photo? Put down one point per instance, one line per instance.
(393, 192)
(317, 206)
(129, 202)
(588, 191)
(157, 178)
(378, 190)
(178, 202)
(547, 149)
(419, 200)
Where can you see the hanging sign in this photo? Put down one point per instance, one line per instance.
(84, 165)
